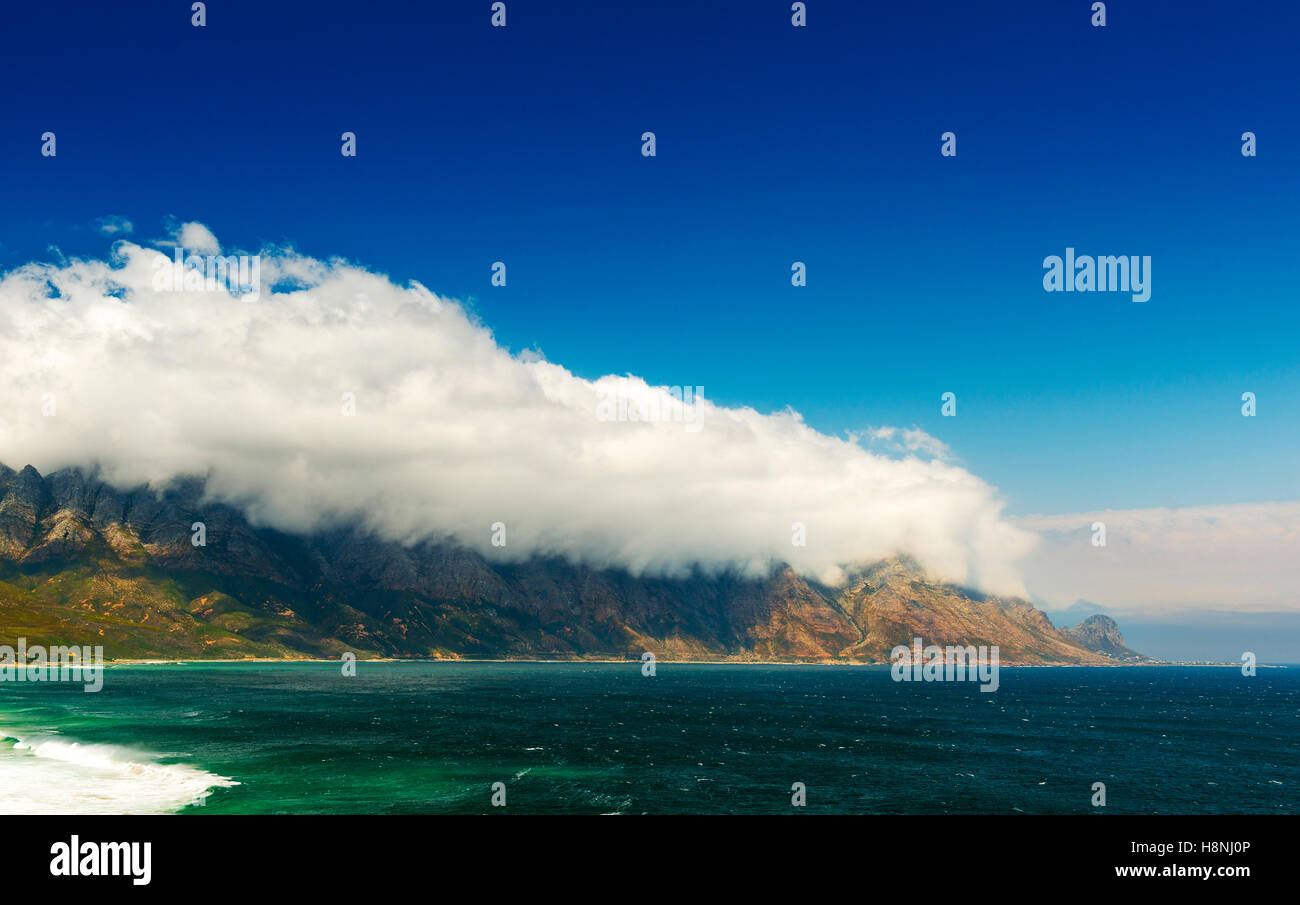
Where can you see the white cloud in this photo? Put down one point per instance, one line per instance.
(908, 440)
(1166, 561)
(115, 226)
(192, 237)
(451, 434)
(197, 238)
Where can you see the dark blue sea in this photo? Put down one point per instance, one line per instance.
(301, 738)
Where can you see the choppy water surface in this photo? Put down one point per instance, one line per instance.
(602, 738)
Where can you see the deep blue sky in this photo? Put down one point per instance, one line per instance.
(775, 144)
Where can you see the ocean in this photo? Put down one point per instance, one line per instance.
(601, 738)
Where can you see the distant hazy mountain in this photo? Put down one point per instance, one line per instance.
(1101, 634)
(1079, 610)
(81, 562)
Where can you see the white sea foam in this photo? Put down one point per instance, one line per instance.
(50, 774)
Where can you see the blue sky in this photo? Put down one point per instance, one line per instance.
(775, 144)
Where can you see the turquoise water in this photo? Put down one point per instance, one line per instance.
(602, 738)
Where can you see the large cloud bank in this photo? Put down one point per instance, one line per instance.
(451, 432)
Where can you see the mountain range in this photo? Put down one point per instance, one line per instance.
(82, 562)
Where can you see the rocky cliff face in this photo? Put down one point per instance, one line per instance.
(82, 562)
(1101, 634)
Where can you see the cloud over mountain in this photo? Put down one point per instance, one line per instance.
(451, 432)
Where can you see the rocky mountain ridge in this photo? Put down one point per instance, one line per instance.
(84, 562)
(1101, 634)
